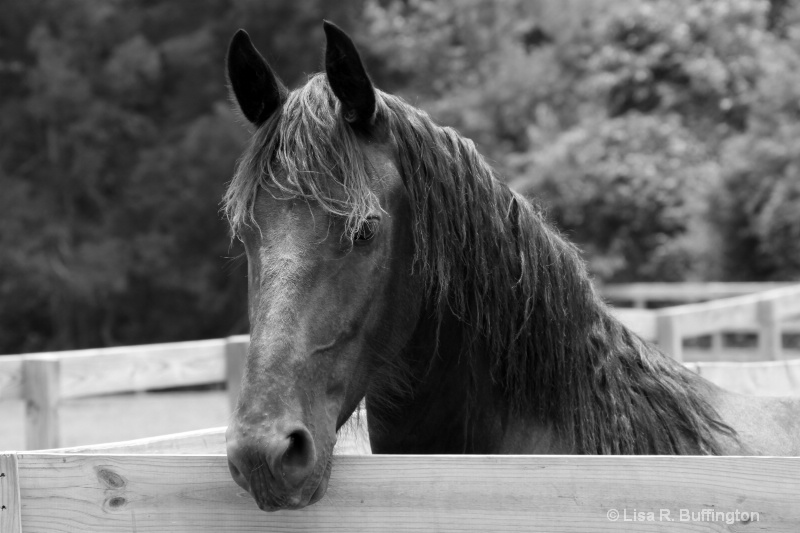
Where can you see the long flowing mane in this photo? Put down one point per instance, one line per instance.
(488, 257)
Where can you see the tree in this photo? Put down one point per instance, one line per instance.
(120, 142)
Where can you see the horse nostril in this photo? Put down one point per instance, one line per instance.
(281, 461)
(299, 457)
(237, 475)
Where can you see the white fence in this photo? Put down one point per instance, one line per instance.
(44, 381)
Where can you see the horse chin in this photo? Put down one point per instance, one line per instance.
(321, 489)
(322, 486)
(270, 502)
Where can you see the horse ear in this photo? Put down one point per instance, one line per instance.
(347, 76)
(256, 88)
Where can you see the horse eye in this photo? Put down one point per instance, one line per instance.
(366, 231)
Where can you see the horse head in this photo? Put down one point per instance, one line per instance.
(319, 204)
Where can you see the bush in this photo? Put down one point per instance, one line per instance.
(631, 192)
(758, 212)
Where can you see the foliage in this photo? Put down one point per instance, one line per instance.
(588, 118)
(758, 211)
(119, 142)
(629, 189)
(661, 135)
(758, 207)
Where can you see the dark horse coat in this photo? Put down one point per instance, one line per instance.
(387, 261)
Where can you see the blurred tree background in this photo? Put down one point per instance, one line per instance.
(661, 135)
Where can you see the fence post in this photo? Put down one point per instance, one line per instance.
(717, 345)
(770, 342)
(668, 337)
(10, 514)
(235, 356)
(42, 394)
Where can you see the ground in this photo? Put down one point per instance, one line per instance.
(102, 419)
(122, 417)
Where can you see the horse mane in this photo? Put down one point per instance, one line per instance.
(488, 257)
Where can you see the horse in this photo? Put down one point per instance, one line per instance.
(388, 262)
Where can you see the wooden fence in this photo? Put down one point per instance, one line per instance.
(767, 313)
(642, 295)
(182, 484)
(43, 381)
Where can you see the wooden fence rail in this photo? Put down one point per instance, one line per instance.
(43, 381)
(640, 294)
(767, 313)
(106, 491)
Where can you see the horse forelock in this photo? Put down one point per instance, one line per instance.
(305, 150)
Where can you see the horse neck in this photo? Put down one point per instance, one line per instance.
(439, 404)
(578, 370)
(556, 372)
(522, 338)
(597, 384)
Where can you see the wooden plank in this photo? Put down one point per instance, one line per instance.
(790, 326)
(106, 493)
(787, 302)
(643, 325)
(640, 321)
(203, 441)
(686, 291)
(11, 377)
(235, 358)
(717, 344)
(770, 340)
(669, 337)
(10, 509)
(138, 368)
(42, 395)
(708, 317)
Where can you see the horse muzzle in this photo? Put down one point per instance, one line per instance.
(280, 468)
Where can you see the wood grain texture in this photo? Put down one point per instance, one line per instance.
(413, 493)
(10, 511)
(137, 368)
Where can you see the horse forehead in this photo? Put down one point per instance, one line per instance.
(284, 224)
(383, 166)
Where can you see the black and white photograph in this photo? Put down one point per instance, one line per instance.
(459, 266)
